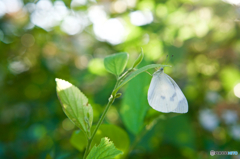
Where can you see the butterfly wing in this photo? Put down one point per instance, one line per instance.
(182, 106)
(162, 95)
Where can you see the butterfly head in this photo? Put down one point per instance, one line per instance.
(160, 70)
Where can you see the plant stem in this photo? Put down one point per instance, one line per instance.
(103, 116)
(87, 149)
(125, 74)
(111, 100)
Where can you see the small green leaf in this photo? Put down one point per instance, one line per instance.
(113, 132)
(116, 63)
(118, 95)
(138, 60)
(135, 73)
(75, 105)
(105, 149)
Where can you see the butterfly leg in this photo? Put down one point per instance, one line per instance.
(148, 73)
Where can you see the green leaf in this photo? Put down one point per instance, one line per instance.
(135, 104)
(115, 133)
(135, 73)
(116, 63)
(105, 149)
(138, 60)
(75, 105)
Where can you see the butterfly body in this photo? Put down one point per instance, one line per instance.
(164, 95)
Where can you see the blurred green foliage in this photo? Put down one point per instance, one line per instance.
(43, 40)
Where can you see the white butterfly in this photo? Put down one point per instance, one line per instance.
(164, 95)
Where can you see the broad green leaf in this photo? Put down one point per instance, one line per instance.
(105, 150)
(135, 104)
(115, 133)
(143, 69)
(138, 60)
(116, 63)
(75, 105)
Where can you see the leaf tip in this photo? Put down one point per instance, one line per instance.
(139, 59)
(62, 83)
(57, 79)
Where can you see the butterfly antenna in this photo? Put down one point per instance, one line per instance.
(167, 60)
(148, 73)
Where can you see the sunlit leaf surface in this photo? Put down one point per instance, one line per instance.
(75, 105)
(116, 63)
(105, 149)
